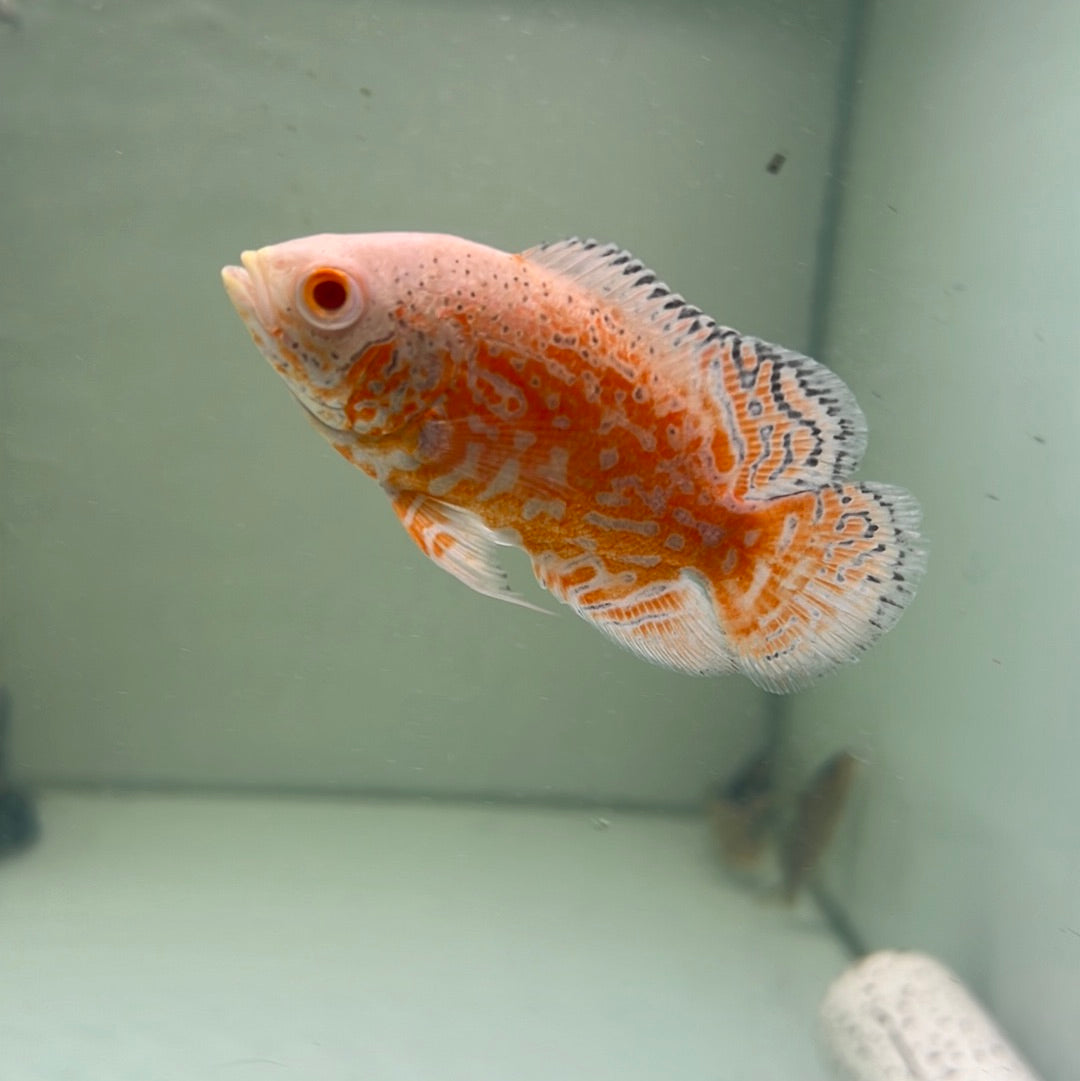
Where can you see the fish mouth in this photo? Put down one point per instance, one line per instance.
(246, 288)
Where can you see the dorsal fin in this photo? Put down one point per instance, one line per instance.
(792, 423)
(613, 273)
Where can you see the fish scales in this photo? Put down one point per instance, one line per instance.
(679, 485)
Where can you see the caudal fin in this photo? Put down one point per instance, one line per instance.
(832, 571)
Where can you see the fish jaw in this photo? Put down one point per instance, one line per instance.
(247, 288)
(383, 363)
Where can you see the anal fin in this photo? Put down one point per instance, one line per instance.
(669, 621)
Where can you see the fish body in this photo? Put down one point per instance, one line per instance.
(678, 484)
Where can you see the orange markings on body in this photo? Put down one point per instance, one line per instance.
(679, 485)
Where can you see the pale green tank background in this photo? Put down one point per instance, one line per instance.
(198, 589)
(957, 272)
(198, 596)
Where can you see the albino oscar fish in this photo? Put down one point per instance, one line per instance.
(679, 485)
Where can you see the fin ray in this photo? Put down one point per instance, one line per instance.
(843, 565)
(795, 425)
(669, 622)
(459, 542)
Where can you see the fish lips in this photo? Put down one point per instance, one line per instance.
(247, 289)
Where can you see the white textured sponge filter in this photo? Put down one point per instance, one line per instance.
(905, 1017)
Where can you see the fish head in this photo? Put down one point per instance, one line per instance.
(329, 313)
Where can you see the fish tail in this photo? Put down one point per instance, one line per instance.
(822, 574)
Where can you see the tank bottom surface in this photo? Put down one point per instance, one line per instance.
(159, 938)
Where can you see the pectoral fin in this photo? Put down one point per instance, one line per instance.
(459, 542)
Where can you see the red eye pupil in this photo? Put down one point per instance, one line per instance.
(329, 294)
(328, 297)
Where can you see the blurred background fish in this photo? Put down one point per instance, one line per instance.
(742, 812)
(762, 837)
(818, 809)
(9, 13)
(18, 818)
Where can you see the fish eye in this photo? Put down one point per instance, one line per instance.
(329, 298)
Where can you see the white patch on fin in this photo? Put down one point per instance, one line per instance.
(459, 542)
